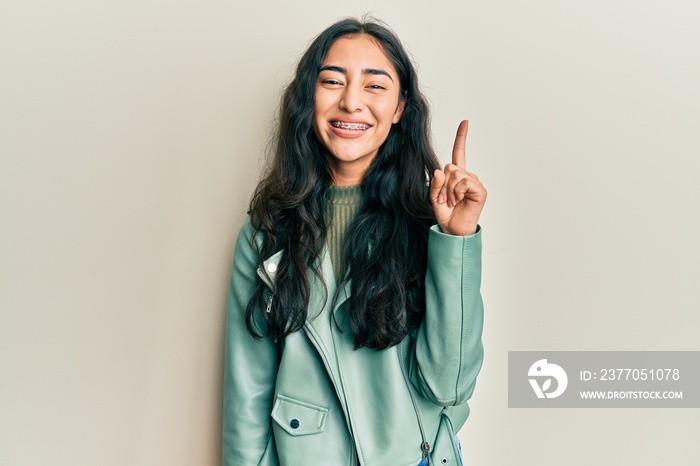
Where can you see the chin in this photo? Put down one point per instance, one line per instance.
(351, 156)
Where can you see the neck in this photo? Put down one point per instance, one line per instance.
(347, 173)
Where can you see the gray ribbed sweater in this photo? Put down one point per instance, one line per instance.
(343, 204)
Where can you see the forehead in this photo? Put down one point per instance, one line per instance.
(358, 52)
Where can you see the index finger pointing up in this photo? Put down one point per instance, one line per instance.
(459, 156)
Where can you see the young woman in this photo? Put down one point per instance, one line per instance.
(355, 316)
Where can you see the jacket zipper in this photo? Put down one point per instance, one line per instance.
(267, 282)
(424, 446)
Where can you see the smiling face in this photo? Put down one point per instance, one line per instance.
(355, 103)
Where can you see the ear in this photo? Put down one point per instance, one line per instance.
(399, 111)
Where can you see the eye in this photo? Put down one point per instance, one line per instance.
(376, 87)
(331, 82)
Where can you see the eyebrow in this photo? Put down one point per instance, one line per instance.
(371, 71)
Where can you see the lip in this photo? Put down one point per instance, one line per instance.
(348, 133)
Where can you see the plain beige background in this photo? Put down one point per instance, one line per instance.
(130, 134)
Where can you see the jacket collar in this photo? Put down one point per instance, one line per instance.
(267, 271)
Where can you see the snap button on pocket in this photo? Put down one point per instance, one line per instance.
(297, 417)
(444, 461)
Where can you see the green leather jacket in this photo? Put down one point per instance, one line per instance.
(312, 400)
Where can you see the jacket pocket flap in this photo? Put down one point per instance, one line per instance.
(297, 417)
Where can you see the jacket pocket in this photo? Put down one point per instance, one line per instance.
(297, 417)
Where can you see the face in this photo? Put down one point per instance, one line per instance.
(355, 103)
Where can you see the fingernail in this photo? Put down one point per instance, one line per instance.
(441, 199)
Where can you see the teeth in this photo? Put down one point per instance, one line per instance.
(351, 126)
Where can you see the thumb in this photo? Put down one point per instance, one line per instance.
(436, 185)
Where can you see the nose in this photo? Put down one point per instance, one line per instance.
(351, 100)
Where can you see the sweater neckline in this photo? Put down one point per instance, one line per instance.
(345, 195)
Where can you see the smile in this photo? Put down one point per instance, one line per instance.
(350, 126)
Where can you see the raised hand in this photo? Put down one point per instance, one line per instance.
(457, 195)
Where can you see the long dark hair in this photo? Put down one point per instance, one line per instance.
(386, 246)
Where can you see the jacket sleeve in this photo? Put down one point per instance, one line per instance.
(250, 371)
(447, 352)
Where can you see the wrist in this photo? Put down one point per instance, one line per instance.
(464, 230)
